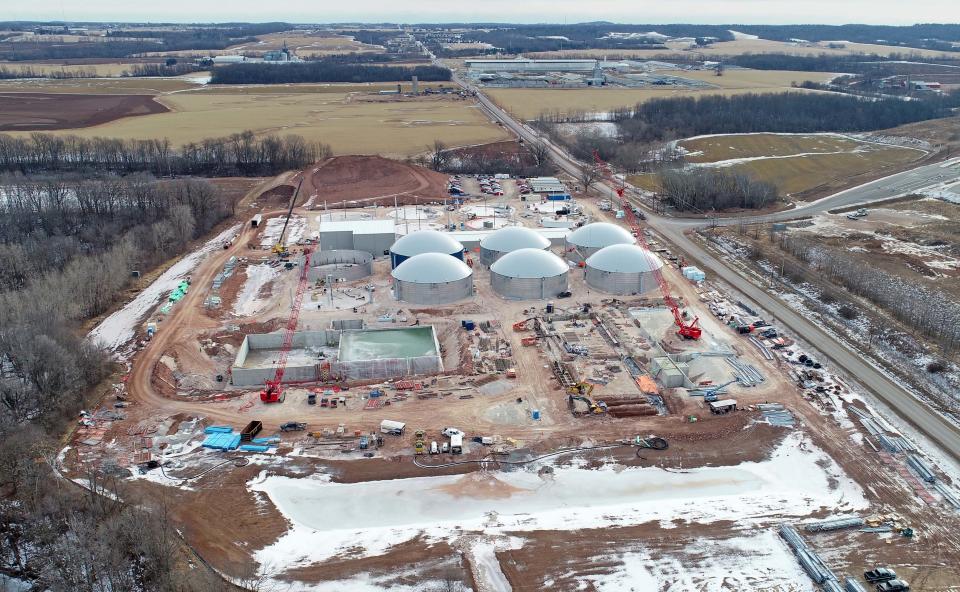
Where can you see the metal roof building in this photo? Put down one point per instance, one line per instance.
(587, 240)
(371, 236)
(432, 278)
(509, 239)
(529, 274)
(424, 241)
(623, 269)
(528, 65)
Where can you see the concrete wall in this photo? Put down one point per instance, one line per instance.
(344, 264)
(347, 324)
(258, 376)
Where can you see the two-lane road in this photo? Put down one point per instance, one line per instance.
(932, 424)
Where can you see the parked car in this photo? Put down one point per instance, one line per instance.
(451, 431)
(293, 426)
(364, 443)
(433, 448)
(893, 586)
(445, 448)
(880, 574)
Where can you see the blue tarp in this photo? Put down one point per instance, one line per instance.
(222, 441)
(271, 440)
(217, 430)
(254, 448)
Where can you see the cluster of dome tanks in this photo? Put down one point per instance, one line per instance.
(429, 266)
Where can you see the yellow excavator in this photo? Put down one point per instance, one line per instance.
(581, 392)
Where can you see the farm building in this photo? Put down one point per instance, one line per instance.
(432, 278)
(529, 274)
(623, 269)
(509, 239)
(587, 240)
(424, 241)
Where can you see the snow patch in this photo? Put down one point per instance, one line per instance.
(248, 302)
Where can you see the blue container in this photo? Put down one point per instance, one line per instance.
(254, 448)
(469, 325)
(536, 414)
(217, 430)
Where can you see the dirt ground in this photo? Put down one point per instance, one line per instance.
(35, 111)
(372, 180)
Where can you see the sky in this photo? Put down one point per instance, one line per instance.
(892, 12)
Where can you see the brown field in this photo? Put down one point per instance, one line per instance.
(303, 43)
(100, 86)
(42, 112)
(349, 122)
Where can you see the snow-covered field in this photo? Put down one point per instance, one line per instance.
(327, 519)
(118, 329)
(274, 226)
(248, 303)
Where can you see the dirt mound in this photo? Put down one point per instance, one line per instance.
(374, 179)
(41, 111)
(279, 195)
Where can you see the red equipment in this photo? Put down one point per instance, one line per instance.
(684, 329)
(273, 393)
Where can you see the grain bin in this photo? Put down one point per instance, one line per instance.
(509, 239)
(424, 241)
(432, 278)
(587, 240)
(529, 274)
(623, 269)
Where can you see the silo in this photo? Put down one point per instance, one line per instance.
(432, 278)
(509, 239)
(424, 241)
(587, 240)
(623, 269)
(529, 274)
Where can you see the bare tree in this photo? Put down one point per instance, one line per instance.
(438, 156)
(587, 177)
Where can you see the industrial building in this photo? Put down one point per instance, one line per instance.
(424, 241)
(372, 236)
(509, 239)
(546, 185)
(340, 264)
(432, 278)
(623, 269)
(524, 65)
(587, 240)
(529, 274)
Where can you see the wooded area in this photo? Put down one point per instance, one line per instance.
(323, 71)
(703, 190)
(239, 154)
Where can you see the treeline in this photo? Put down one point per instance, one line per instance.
(239, 154)
(682, 117)
(703, 189)
(19, 72)
(925, 309)
(531, 159)
(852, 64)
(162, 69)
(323, 71)
(928, 36)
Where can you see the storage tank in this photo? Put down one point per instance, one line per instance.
(623, 269)
(424, 241)
(432, 278)
(509, 239)
(529, 274)
(587, 240)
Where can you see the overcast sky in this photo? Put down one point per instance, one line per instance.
(893, 12)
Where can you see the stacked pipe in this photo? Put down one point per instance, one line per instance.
(835, 524)
(921, 468)
(810, 561)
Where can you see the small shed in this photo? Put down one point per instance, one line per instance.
(723, 406)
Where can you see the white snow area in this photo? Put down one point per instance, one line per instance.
(248, 303)
(118, 329)
(327, 519)
(274, 226)
(603, 129)
(756, 561)
(741, 36)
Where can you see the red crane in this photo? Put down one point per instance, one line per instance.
(273, 393)
(684, 329)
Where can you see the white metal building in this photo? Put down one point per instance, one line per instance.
(424, 241)
(432, 278)
(623, 269)
(373, 236)
(509, 239)
(546, 185)
(528, 65)
(529, 274)
(587, 240)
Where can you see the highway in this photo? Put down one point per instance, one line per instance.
(929, 422)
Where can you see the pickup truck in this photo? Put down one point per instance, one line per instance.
(293, 426)
(893, 586)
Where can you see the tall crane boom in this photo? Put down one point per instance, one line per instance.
(684, 329)
(273, 393)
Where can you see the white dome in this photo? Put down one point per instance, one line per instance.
(599, 235)
(529, 263)
(431, 268)
(512, 238)
(425, 241)
(624, 259)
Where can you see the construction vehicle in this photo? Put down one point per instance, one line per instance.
(278, 248)
(293, 426)
(418, 447)
(528, 341)
(581, 388)
(685, 330)
(595, 407)
(273, 393)
(651, 442)
(710, 393)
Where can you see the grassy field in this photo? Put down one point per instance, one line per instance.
(794, 163)
(349, 123)
(104, 70)
(305, 43)
(756, 79)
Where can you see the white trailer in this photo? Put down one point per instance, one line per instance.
(456, 444)
(394, 428)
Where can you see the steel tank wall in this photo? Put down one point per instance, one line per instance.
(396, 258)
(429, 293)
(577, 253)
(489, 256)
(620, 283)
(341, 264)
(528, 288)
